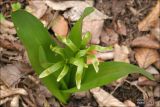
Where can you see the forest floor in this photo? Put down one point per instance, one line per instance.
(132, 27)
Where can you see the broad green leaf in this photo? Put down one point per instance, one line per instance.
(76, 32)
(16, 6)
(63, 73)
(33, 35)
(51, 69)
(108, 72)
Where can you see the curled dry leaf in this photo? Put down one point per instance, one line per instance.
(60, 26)
(129, 103)
(109, 37)
(37, 8)
(121, 53)
(95, 27)
(105, 99)
(145, 56)
(10, 74)
(120, 28)
(151, 20)
(12, 91)
(145, 42)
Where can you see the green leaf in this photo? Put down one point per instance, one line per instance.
(100, 48)
(95, 62)
(76, 32)
(85, 40)
(57, 50)
(108, 72)
(16, 6)
(63, 73)
(2, 18)
(33, 35)
(51, 69)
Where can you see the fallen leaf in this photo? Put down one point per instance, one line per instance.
(120, 28)
(157, 91)
(95, 28)
(105, 56)
(145, 42)
(121, 53)
(157, 64)
(145, 56)
(157, 103)
(152, 70)
(15, 101)
(109, 37)
(60, 26)
(105, 99)
(151, 20)
(37, 8)
(12, 91)
(76, 9)
(10, 75)
(143, 81)
(156, 30)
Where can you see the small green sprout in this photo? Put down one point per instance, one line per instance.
(16, 6)
(79, 59)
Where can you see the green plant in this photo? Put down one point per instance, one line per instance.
(2, 17)
(64, 69)
(16, 6)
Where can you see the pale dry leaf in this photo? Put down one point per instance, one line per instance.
(120, 28)
(157, 103)
(145, 56)
(15, 101)
(151, 20)
(152, 70)
(12, 91)
(10, 31)
(121, 53)
(7, 23)
(10, 75)
(76, 9)
(143, 81)
(156, 30)
(60, 26)
(157, 64)
(105, 55)
(37, 8)
(95, 28)
(105, 99)
(145, 42)
(109, 37)
(156, 91)
(3, 101)
(129, 103)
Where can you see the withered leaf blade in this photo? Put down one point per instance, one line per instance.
(146, 56)
(145, 42)
(151, 19)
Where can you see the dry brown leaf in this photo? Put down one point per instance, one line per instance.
(95, 27)
(157, 91)
(143, 81)
(109, 37)
(105, 56)
(15, 101)
(121, 53)
(60, 26)
(145, 42)
(157, 64)
(10, 75)
(156, 30)
(151, 20)
(120, 28)
(105, 99)
(13, 91)
(152, 70)
(145, 56)
(37, 8)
